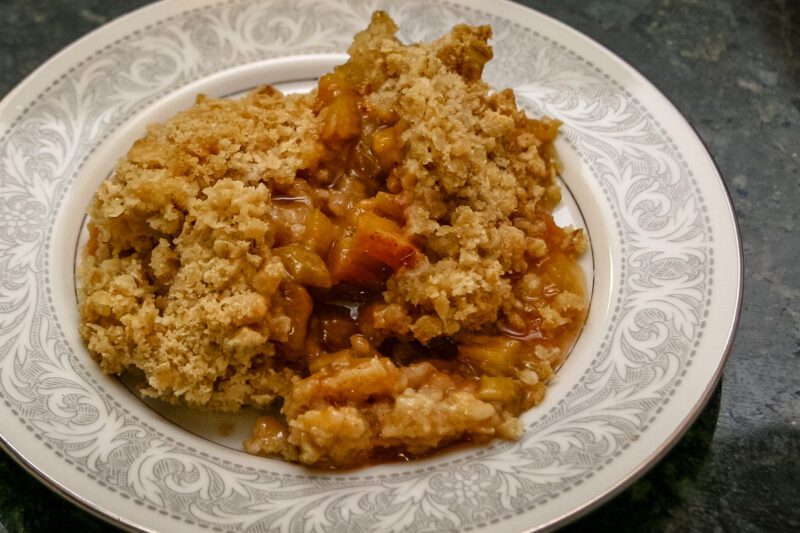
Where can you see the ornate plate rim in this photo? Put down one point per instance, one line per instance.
(85, 44)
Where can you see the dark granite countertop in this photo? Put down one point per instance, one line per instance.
(733, 68)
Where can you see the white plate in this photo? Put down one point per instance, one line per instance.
(665, 265)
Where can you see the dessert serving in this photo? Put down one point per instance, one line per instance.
(374, 263)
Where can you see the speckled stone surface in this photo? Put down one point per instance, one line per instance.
(733, 68)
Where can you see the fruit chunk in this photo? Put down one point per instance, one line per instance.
(320, 232)
(383, 240)
(391, 206)
(336, 326)
(502, 390)
(387, 147)
(377, 248)
(269, 437)
(341, 119)
(350, 264)
(491, 355)
(297, 305)
(305, 267)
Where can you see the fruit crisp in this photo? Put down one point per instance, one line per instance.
(377, 258)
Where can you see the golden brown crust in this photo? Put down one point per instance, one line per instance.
(217, 249)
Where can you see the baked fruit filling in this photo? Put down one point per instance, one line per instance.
(376, 259)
